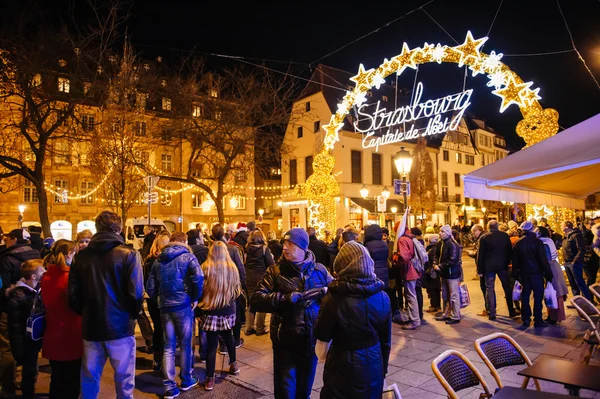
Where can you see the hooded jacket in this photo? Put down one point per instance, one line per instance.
(494, 252)
(319, 248)
(106, 287)
(450, 258)
(19, 305)
(10, 262)
(258, 258)
(276, 249)
(379, 251)
(356, 317)
(292, 324)
(573, 247)
(175, 279)
(529, 258)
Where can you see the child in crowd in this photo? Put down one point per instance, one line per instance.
(21, 298)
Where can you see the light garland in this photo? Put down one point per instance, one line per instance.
(49, 188)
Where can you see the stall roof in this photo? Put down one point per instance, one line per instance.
(559, 171)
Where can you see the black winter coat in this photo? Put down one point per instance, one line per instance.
(319, 248)
(292, 324)
(106, 287)
(450, 260)
(10, 262)
(494, 252)
(573, 247)
(258, 258)
(276, 249)
(36, 241)
(529, 258)
(356, 316)
(18, 308)
(200, 251)
(379, 251)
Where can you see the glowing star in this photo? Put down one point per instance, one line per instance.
(511, 93)
(497, 80)
(438, 53)
(314, 208)
(491, 63)
(477, 67)
(470, 48)
(360, 99)
(405, 59)
(378, 80)
(542, 212)
(332, 130)
(363, 77)
(530, 95)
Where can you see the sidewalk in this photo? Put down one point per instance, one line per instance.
(410, 360)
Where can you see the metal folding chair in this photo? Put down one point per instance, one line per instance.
(499, 350)
(455, 372)
(587, 311)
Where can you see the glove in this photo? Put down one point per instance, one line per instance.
(293, 297)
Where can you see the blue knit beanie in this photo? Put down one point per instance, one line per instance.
(298, 236)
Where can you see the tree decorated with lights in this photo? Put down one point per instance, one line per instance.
(422, 180)
(537, 124)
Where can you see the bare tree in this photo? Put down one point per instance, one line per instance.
(229, 124)
(422, 180)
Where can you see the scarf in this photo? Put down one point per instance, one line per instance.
(553, 252)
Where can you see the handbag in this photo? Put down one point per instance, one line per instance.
(36, 322)
(550, 296)
(517, 290)
(465, 298)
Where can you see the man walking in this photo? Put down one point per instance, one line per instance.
(493, 257)
(292, 290)
(106, 286)
(530, 266)
(573, 249)
(176, 280)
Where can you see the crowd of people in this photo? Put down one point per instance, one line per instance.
(333, 300)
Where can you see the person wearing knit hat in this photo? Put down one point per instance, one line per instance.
(291, 290)
(512, 225)
(355, 309)
(449, 264)
(527, 226)
(405, 247)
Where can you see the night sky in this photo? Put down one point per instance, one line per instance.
(298, 34)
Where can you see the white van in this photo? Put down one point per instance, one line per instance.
(134, 230)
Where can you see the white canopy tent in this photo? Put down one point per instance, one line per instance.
(559, 171)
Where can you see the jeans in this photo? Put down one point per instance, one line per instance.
(533, 283)
(294, 374)
(157, 335)
(121, 354)
(419, 292)
(490, 280)
(434, 289)
(177, 325)
(255, 317)
(451, 297)
(576, 281)
(410, 292)
(483, 286)
(212, 341)
(65, 379)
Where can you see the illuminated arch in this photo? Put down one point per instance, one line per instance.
(537, 124)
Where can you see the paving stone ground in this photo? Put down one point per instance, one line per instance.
(410, 360)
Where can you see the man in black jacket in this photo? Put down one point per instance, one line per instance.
(318, 247)
(291, 291)
(450, 266)
(530, 266)
(107, 268)
(493, 257)
(573, 249)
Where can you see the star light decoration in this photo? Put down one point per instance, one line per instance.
(542, 212)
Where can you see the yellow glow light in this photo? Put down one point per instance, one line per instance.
(511, 94)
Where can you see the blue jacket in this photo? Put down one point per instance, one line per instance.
(176, 278)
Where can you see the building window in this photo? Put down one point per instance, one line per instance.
(384, 98)
(446, 155)
(444, 179)
(458, 157)
(196, 111)
(61, 186)
(300, 132)
(62, 153)
(88, 122)
(166, 199)
(116, 126)
(37, 80)
(467, 201)
(294, 218)
(356, 159)
(196, 200)
(470, 159)
(214, 93)
(444, 194)
(307, 106)
(457, 179)
(482, 159)
(143, 157)
(293, 172)
(140, 128)
(241, 203)
(86, 188)
(308, 167)
(30, 193)
(376, 168)
(239, 175)
(167, 162)
(317, 126)
(64, 85)
(166, 104)
(457, 198)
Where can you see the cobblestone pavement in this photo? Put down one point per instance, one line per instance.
(410, 361)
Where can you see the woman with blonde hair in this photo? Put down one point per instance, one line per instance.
(258, 259)
(83, 239)
(63, 342)
(159, 243)
(221, 288)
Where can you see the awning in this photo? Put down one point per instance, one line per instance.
(371, 206)
(559, 171)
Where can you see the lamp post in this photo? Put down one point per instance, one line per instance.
(20, 218)
(483, 210)
(261, 212)
(403, 162)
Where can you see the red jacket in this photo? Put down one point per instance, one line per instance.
(63, 337)
(406, 248)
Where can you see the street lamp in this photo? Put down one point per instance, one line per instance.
(364, 192)
(20, 218)
(403, 162)
(394, 209)
(483, 210)
(261, 212)
(385, 193)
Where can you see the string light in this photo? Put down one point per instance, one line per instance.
(50, 189)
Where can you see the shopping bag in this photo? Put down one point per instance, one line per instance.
(550, 296)
(517, 290)
(465, 298)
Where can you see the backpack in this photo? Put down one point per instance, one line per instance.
(420, 257)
